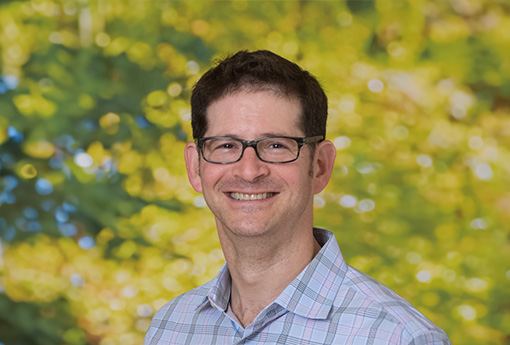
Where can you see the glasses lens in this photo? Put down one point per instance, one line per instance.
(278, 150)
(222, 150)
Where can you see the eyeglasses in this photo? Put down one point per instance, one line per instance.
(224, 150)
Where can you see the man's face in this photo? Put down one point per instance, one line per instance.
(251, 197)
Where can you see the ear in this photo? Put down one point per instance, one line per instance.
(324, 160)
(192, 159)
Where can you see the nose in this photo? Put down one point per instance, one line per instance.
(250, 167)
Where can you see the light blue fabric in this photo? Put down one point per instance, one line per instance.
(328, 303)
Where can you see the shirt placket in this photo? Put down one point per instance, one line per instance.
(250, 334)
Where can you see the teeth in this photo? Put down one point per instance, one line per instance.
(242, 196)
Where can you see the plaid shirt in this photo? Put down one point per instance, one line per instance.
(328, 303)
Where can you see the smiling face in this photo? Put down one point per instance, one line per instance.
(251, 197)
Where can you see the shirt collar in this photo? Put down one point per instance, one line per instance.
(310, 294)
(218, 296)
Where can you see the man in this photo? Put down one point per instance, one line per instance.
(259, 156)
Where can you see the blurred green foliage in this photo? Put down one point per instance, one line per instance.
(99, 228)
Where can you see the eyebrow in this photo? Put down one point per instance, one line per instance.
(263, 135)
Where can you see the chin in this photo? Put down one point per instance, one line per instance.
(249, 229)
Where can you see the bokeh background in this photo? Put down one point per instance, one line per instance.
(99, 227)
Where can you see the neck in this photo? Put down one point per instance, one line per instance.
(262, 268)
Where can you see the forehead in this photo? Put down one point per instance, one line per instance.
(252, 113)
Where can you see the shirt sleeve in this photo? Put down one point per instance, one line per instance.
(431, 338)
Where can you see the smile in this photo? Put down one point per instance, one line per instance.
(242, 196)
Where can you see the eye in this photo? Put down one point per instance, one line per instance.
(276, 145)
(225, 145)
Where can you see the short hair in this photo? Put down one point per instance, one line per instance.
(260, 70)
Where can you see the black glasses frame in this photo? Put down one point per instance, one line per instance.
(253, 143)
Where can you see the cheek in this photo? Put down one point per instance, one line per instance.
(209, 177)
(299, 179)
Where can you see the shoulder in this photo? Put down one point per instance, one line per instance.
(175, 314)
(188, 302)
(387, 312)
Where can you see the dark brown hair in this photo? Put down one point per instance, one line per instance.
(260, 70)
